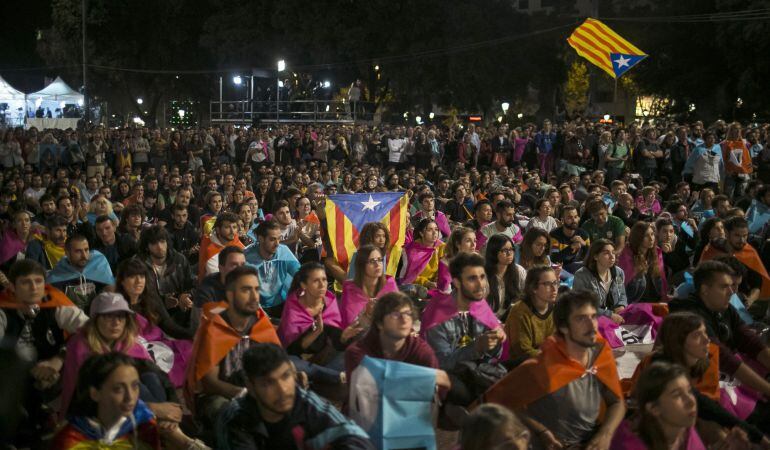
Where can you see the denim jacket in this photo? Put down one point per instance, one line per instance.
(585, 279)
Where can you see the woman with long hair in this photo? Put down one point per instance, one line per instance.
(601, 276)
(15, 238)
(535, 248)
(461, 239)
(530, 321)
(274, 195)
(682, 339)
(421, 256)
(505, 278)
(370, 283)
(492, 426)
(642, 264)
(666, 413)
(374, 233)
(311, 327)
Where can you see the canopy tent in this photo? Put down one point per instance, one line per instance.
(54, 96)
(11, 104)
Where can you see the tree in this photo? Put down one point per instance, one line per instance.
(576, 89)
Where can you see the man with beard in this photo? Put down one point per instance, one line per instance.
(81, 273)
(184, 236)
(276, 413)
(560, 393)
(757, 280)
(276, 266)
(462, 329)
(225, 233)
(569, 244)
(49, 249)
(603, 225)
(505, 216)
(215, 374)
(738, 343)
(114, 246)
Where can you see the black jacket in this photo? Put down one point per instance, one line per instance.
(320, 424)
(211, 289)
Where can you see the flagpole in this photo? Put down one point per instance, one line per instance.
(615, 93)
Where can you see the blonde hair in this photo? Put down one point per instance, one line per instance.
(98, 345)
(92, 205)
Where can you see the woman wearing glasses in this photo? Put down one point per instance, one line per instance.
(506, 278)
(369, 284)
(530, 321)
(601, 276)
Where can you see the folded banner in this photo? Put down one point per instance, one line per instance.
(392, 401)
(346, 215)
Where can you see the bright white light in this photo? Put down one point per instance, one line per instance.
(80, 102)
(38, 102)
(606, 117)
(61, 105)
(406, 114)
(327, 108)
(691, 107)
(281, 65)
(418, 119)
(376, 68)
(138, 121)
(237, 80)
(181, 113)
(500, 119)
(139, 101)
(505, 106)
(431, 116)
(280, 83)
(519, 115)
(327, 84)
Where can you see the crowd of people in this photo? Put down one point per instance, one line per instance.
(168, 288)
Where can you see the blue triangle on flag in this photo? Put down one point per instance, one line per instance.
(361, 209)
(622, 62)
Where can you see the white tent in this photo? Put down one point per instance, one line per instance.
(11, 104)
(55, 95)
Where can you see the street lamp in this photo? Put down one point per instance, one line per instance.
(431, 115)
(139, 101)
(505, 107)
(181, 113)
(327, 84)
(418, 119)
(237, 80)
(519, 115)
(281, 66)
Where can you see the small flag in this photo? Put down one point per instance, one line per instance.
(597, 43)
(346, 215)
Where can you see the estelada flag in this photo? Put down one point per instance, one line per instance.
(749, 257)
(550, 371)
(603, 47)
(346, 215)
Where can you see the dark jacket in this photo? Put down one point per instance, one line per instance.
(313, 421)
(211, 289)
(726, 329)
(123, 248)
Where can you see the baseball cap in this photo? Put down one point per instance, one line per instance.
(109, 302)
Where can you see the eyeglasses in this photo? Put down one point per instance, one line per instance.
(375, 261)
(403, 315)
(553, 284)
(507, 251)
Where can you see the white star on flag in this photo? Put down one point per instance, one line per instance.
(370, 204)
(622, 61)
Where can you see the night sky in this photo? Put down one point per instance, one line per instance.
(21, 20)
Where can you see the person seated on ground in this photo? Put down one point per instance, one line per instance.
(186, 239)
(642, 264)
(421, 256)
(360, 294)
(574, 374)
(712, 229)
(311, 327)
(682, 339)
(736, 244)
(603, 225)
(100, 206)
(606, 280)
(207, 221)
(276, 266)
(48, 249)
(462, 329)
(391, 337)
(169, 278)
(674, 250)
(491, 426)
(15, 238)
(461, 239)
(530, 321)
(713, 285)
(482, 215)
(505, 218)
(35, 320)
(81, 273)
(112, 327)
(428, 210)
(505, 278)
(224, 233)
(374, 233)
(534, 249)
(114, 246)
(275, 413)
(543, 216)
(666, 412)
(212, 288)
(215, 374)
(569, 243)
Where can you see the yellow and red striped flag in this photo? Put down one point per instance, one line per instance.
(606, 49)
(346, 215)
